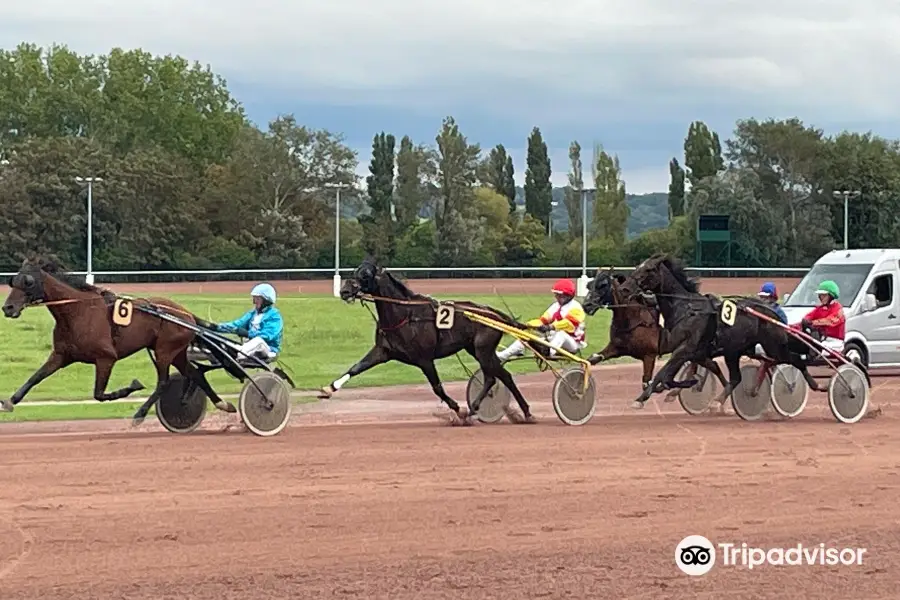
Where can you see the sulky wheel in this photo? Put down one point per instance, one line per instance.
(573, 404)
(696, 400)
(493, 405)
(181, 405)
(789, 390)
(266, 413)
(746, 404)
(848, 394)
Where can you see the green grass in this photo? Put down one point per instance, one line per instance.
(323, 338)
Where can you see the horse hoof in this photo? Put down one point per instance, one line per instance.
(7, 406)
(136, 386)
(136, 421)
(226, 406)
(324, 394)
(637, 405)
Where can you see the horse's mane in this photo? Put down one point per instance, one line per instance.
(59, 271)
(677, 269)
(411, 295)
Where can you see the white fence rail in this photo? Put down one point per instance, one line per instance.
(725, 271)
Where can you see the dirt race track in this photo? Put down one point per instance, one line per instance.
(370, 496)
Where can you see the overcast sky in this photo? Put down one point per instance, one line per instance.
(630, 74)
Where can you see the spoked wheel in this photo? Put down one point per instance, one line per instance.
(181, 406)
(696, 400)
(748, 405)
(266, 413)
(573, 404)
(789, 391)
(493, 405)
(848, 394)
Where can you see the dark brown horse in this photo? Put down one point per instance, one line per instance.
(86, 333)
(408, 332)
(634, 331)
(696, 333)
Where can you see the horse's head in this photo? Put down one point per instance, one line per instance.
(27, 286)
(363, 281)
(659, 274)
(600, 291)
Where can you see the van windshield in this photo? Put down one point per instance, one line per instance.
(849, 279)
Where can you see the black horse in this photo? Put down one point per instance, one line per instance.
(407, 332)
(696, 332)
(634, 331)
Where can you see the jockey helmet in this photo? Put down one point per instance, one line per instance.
(829, 287)
(768, 289)
(564, 287)
(264, 291)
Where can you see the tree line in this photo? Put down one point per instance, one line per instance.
(188, 182)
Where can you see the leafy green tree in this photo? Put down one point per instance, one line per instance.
(702, 152)
(676, 189)
(786, 160)
(575, 189)
(455, 216)
(526, 242)
(538, 190)
(500, 175)
(378, 225)
(126, 99)
(416, 170)
(610, 207)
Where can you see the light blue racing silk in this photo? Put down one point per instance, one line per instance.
(267, 325)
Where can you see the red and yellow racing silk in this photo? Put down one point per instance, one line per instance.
(568, 317)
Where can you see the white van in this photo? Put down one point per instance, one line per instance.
(867, 279)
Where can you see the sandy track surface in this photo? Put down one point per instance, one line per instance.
(369, 496)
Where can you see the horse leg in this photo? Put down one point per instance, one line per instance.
(187, 370)
(376, 356)
(102, 370)
(663, 375)
(493, 368)
(607, 353)
(430, 371)
(54, 363)
(733, 362)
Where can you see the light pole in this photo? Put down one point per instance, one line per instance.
(583, 280)
(336, 287)
(846, 195)
(89, 276)
(550, 219)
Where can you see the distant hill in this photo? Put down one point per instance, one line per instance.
(648, 211)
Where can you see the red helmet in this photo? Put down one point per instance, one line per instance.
(565, 287)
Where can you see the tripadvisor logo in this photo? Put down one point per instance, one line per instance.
(696, 555)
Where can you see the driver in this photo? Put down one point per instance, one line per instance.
(263, 325)
(827, 318)
(769, 295)
(562, 323)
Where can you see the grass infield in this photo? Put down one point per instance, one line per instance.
(323, 338)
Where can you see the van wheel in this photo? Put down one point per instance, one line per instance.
(857, 354)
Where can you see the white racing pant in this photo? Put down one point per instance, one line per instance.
(256, 347)
(558, 339)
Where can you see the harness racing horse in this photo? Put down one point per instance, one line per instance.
(407, 332)
(86, 333)
(634, 331)
(695, 332)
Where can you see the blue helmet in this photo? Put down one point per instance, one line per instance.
(264, 291)
(768, 289)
